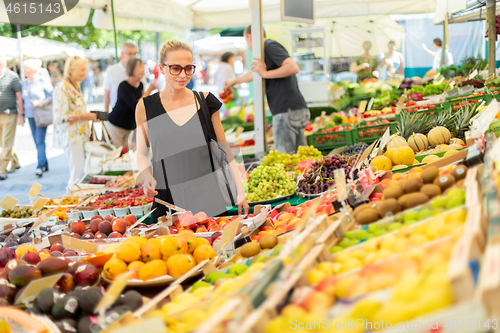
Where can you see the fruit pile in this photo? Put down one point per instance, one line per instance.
(98, 180)
(282, 223)
(226, 96)
(355, 149)
(64, 202)
(268, 182)
(17, 213)
(320, 177)
(101, 228)
(157, 257)
(30, 265)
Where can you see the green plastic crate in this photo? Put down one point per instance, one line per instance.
(487, 98)
(368, 134)
(328, 141)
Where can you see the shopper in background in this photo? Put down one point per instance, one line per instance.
(365, 65)
(172, 124)
(224, 72)
(289, 109)
(71, 119)
(121, 121)
(10, 99)
(116, 74)
(393, 61)
(36, 92)
(437, 53)
(55, 73)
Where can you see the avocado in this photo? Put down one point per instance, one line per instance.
(89, 299)
(66, 307)
(46, 299)
(132, 299)
(84, 325)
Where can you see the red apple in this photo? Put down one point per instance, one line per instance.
(86, 275)
(57, 246)
(31, 258)
(77, 227)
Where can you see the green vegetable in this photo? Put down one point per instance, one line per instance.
(384, 98)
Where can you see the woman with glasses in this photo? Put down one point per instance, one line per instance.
(121, 121)
(71, 118)
(173, 125)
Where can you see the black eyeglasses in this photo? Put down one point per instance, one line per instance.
(177, 69)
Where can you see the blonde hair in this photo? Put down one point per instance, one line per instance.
(172, 45)
(31, 64)
(128, 45)
(73, 62)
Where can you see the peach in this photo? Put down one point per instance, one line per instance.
(119, 225)
(109, 218)
(99, 235)
(77, 227)
(105, 227)
(190, 239)
(75, 235)
(88, 235)
(131, 219)
(188, 222)
(286, 216)
(267, 228)
(201, 216)
(201, 229)
(96, 217)
(94, 225)
(184, 214)
(115, 234)
(57, 246)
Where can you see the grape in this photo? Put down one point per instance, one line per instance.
(268, 182)
(308, 152)
(320, 177)
(355, 149)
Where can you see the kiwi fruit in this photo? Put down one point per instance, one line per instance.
(249, 249)
(429, 174)
(401, 183)
(413, 185)
(388, 206)
(460, 183)
(393, 192)
(445, 181)
(415, 199)
(360, 208)
(402, 200)
(367, 216)
(268, 241)
(459, 172)
(431, 190)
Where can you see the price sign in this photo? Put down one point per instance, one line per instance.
(340, 184)
(401, 101)
(39, 204)
(370, 103)
(489, 79)
(473, 74)
(35, 189)
(482, 123)
(385, 138)
(8, 202)
(34, 287)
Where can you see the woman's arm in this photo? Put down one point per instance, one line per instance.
(401, 66)
(221, 138)
(354, 68)
(143, 161)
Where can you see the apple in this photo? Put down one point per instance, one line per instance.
(327, 285)
(201, 217)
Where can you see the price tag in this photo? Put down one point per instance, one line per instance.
(78, 244)
(401, 102)
(385, 138)
(482, 123)
(8, 202)
(489, 79)
(340, 184)
(453, 93)
(114, 290)
(44, 218)
(370, 103)
(35, 189)
(39, 204)
(228, 234)
(365, 155)
(35, 286)
(473, 74)
(467, 89)
(491, 267)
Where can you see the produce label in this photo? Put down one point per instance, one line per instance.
(78, 244)
(228, 234)
(340, 184)
(492, 269)
(34, 287)
(155, 324)
(39, 204)
(473, 74)
(8, 202)
(43, 219)
(482, 123)
(35, 189)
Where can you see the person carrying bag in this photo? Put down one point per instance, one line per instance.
(99, 151)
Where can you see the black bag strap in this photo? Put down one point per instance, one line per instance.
(200, 96)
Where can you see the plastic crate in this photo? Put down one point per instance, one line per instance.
(369, 134)
(487, 98)
(328, 141)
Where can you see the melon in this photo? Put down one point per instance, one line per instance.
(418, 142)
(415, 162)
(403, 155)
(453, 147)
(456, 141)
(439, 135)
(381, 163)
(450, 152)
(390, 152)
(430, 159)
(398, 167)
(397, 142)
(440, 148)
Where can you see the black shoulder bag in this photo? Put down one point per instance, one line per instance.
(218, 155)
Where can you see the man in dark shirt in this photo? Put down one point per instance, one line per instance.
(289, 109)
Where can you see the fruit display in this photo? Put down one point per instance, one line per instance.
(355, 149)
(66, 201)
(268, 182)
(17, 213)
(320, 177)
(158, 257)
(120, 199)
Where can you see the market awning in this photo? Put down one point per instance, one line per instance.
(40, 48)
(218, 43)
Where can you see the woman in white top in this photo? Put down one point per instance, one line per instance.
(71, 118)
(393, 61)
(224, 72)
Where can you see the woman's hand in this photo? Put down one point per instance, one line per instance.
(36, 103)
(365, 65)
(149, 186)
(242, 204)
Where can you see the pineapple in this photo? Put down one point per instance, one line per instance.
(446, 118)
(462, 118)
(409, 124)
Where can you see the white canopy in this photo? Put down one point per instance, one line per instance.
(40, 48)
(218, 43)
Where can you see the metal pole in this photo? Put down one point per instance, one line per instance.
(446, 37)
(258, 82)
(114, 30)
(492, 35)
(20, 48)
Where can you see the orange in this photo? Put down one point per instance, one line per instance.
(135, 267)
(136, 239)
(179, 264)
(173, 245)
(114, 267)
(129, 252)
(21, 250)
(151, 250)
(190, 238)
(153, 269)
(203, 252)
(44, 256)
(201, 241)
